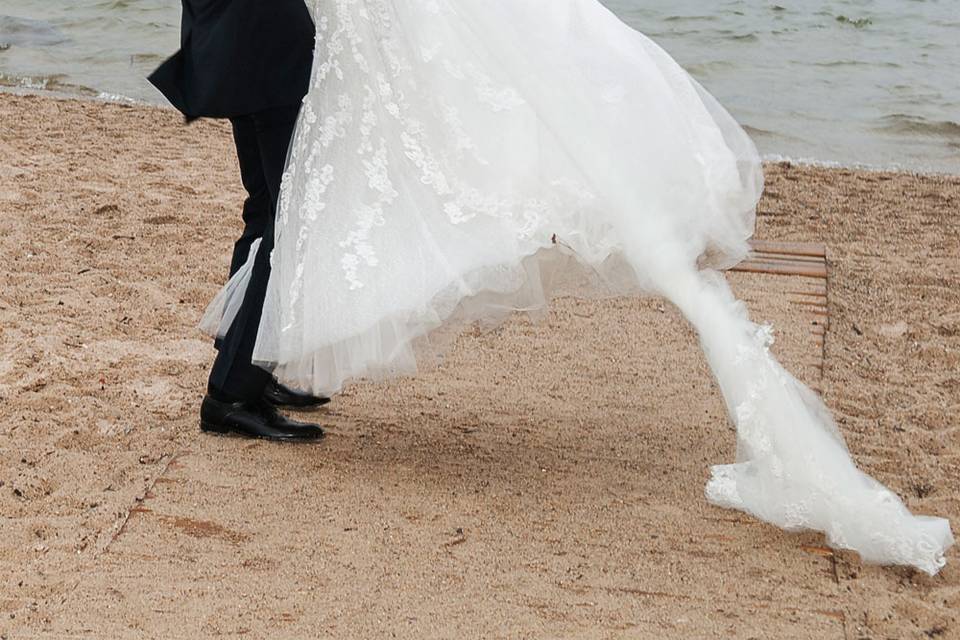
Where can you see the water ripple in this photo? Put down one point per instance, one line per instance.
(855, 81)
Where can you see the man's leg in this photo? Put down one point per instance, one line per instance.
(236, 401)
(257, 209)
(233, 376)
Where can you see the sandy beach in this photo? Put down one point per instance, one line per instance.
(545, 481)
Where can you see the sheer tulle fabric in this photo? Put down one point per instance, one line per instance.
(224, 307)
(457, 161)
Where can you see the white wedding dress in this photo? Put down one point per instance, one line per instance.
(456, 160)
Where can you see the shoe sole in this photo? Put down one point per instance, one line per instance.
(209, 427)
(220, 430)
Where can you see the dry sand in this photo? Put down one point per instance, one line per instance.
(545, 482)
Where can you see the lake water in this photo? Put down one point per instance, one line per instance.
(854, 82)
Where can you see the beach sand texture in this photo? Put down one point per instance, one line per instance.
(546, 481)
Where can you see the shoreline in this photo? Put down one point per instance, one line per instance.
(777, 159)
(768, 158)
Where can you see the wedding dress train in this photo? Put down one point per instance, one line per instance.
(456, 160)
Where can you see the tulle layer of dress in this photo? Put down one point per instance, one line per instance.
(456, 161)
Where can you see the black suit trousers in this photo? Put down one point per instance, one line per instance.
(262, 141)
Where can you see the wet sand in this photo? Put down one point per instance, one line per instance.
(544, 482)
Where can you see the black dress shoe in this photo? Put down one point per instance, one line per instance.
(253, 420)
(282, 396)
